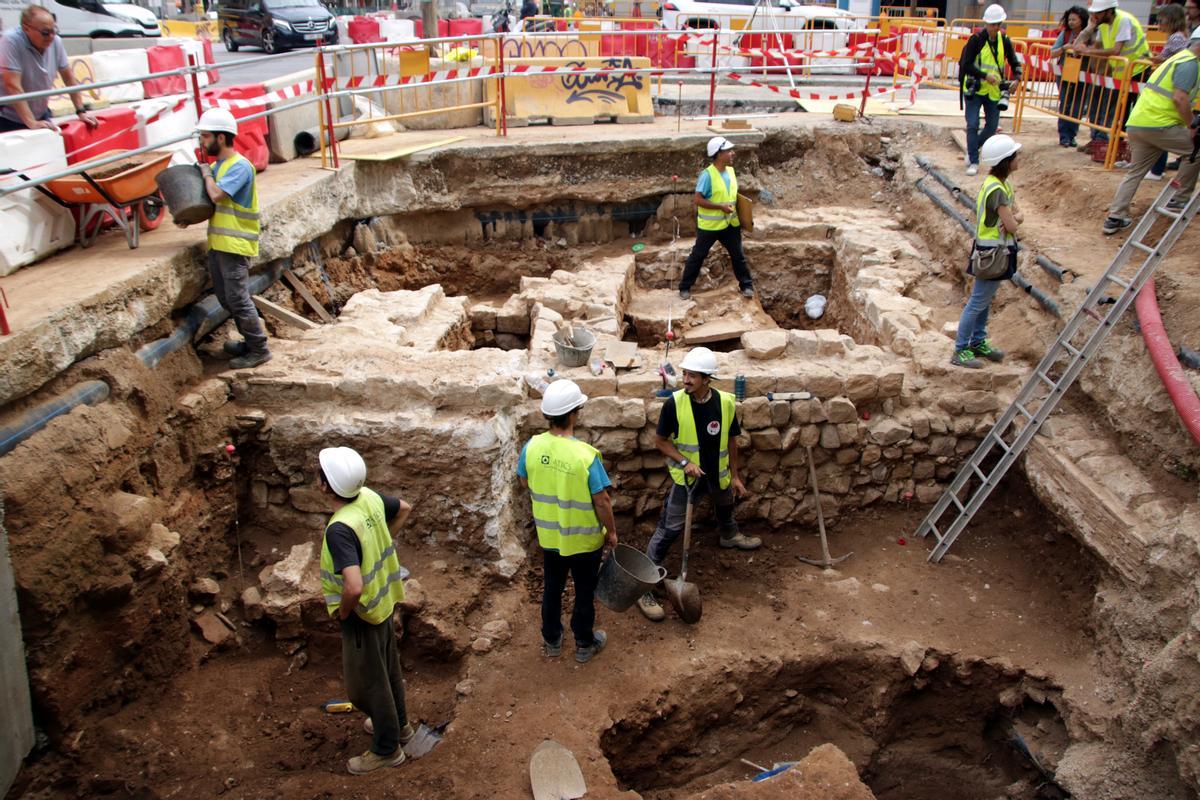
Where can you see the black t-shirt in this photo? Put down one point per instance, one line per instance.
(708, 430)
(343, 541)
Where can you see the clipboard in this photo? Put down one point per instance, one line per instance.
(745, 212)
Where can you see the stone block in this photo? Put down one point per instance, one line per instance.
(513, 316)
(162, 539)
(613, 412)
(309, 500)
(891, 382)
(781, 412)
(810, 435)
(252, 604)
(766, 344)
(829, 437)
(920, 426)
(840, 409)
(205, 398)
(824, 383)
(848, 432)
(763, 463)
(871, 455)
(630, 464)
(888, 432)
(790, 438)
(862, 386)
(616, 444)
(846, 456)
(979, 402)
(756, 413)
(483, 317)
(928, 493)
(767, 439)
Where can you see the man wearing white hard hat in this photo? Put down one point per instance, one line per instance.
(697, 435)
(983, 81)
(233, 235)
(1117, 33)
(1162, 122)
(573, 515)
(361, 581)
(717, 219)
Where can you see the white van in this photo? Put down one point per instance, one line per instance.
(92, 18)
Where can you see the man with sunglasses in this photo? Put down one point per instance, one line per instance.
(30, 55)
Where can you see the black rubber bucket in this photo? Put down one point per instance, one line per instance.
(626, 575)
(182, 187)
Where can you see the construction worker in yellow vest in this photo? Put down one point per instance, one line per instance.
(1162, 121)
(361, 581)
(1117, 33)
(717, 219)
(573, 515)
(232, 235)
(987, 59)
(697, 435)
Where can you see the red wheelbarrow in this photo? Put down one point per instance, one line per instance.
(123, 191)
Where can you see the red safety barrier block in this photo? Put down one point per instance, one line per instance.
(116, 131)
(214, 74)
(418, 29)
(161, 58)
(443, 28)
(866, 67)
(466, 27)
(638, 45)
(364, 30)
(252, 136)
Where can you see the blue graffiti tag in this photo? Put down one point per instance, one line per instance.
(579, 85)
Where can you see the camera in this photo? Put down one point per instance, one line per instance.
(1005, 94)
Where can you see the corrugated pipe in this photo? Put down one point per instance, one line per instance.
(1169, 370)
(1036, 294)
(1189, 357)
(199, 320)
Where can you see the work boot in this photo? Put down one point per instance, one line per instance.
(1177, 204)
(552, 650)
(406, 733)
(966, 358)
(585, 654)
(985, 350)
(741, 542)
(369, 762)
(747, 291)
(650, 607)
(1115, 224)
(234, 347)
(250, 360)
(685, 294)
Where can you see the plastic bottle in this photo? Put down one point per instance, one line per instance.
(739, 387)
(596, 365)
(536, 382)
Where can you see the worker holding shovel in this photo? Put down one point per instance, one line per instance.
(696, 434)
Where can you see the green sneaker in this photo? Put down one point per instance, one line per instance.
(966, 358)
(985, 350)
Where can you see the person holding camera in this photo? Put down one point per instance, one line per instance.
(981, 80)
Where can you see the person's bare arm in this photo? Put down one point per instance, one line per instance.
(401, 516)
(1008, 219)
(735, 480)
(704, 202)
(603, 505)
(671, 453)
(12, 85)
(215, 193)
(352, 589)
(68, 79)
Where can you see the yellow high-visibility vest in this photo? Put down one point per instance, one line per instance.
(234, 228)
(1133, 49)
(563, 512)
(1155, 107)
(687, 439)
(991, 65)
(992, 236)
(382, 586)
(712, 219)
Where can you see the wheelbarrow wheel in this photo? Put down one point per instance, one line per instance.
(150, 212)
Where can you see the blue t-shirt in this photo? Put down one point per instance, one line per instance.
(704, 184)
(238, 181)
(597, 478)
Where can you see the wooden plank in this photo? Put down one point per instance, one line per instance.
(282, 314)
(303, 291)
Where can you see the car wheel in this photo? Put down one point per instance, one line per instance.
(268, 41)
(227, 37)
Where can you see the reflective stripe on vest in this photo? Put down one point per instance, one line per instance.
(1133, 49)
(383, 587)
(563, 513)
(1156, 108)
(687, 438)
(991, 236)
(235, 228)
(712, 219)
(990, 64)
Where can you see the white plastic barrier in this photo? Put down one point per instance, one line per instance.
(34, 226)
(121, 64)
(195, 49)
(343, 28)
(397, 30)
(169, 126)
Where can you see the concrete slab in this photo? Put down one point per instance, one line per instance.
(16, 723)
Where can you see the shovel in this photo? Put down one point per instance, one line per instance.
(683, 596)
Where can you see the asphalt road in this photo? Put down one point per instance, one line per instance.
(263, 67)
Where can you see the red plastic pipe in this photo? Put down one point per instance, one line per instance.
(1168, 366)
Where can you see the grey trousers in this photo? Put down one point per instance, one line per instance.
(674, 512)
(231, 283)
(1145, 146)
(371, 667)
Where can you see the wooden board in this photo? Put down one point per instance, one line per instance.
(554, 773)
(622, 355)
(282, 314)
(303, 291)
(388, 148)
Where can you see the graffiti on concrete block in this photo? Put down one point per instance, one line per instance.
(601, 88)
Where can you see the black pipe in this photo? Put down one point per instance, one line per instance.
(949, 209)
(1189, 357)
(1036, 294)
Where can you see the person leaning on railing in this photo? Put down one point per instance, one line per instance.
(1072, 97)
(981, 79)
(1117, 33)
(1162, 122)
(1172, 21)
(30, 56)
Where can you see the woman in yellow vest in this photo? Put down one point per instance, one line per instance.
(996, 222)
(233, 235)
(717, 219)
(982, 74)
(573, 515)
(361, 581)
(1161, 122)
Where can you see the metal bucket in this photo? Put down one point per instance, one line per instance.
(627, 574)
(182, 186)
(575, 356)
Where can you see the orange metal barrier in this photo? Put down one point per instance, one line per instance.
(919, 12)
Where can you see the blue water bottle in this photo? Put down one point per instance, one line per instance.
(739, 387)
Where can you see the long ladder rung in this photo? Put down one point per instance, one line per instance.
(1143, 247)
(1118, 281)
(1167, 213)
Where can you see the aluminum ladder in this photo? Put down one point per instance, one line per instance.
(1066, 358)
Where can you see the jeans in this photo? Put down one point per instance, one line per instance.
(674, 512)
(1072, 101)
(231, 283)
(731, 239)
(7, 125)
(991, 111)
(371, 666)
(584, 569)
(972, 325)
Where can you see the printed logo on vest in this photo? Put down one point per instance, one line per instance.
(714, 428)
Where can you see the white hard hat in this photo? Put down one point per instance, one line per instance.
(1101, 5)
(718, 143)
(994, 14)
(217, 119)
(562, 397)
(700, 359)
(345, 471)
(996, 149)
